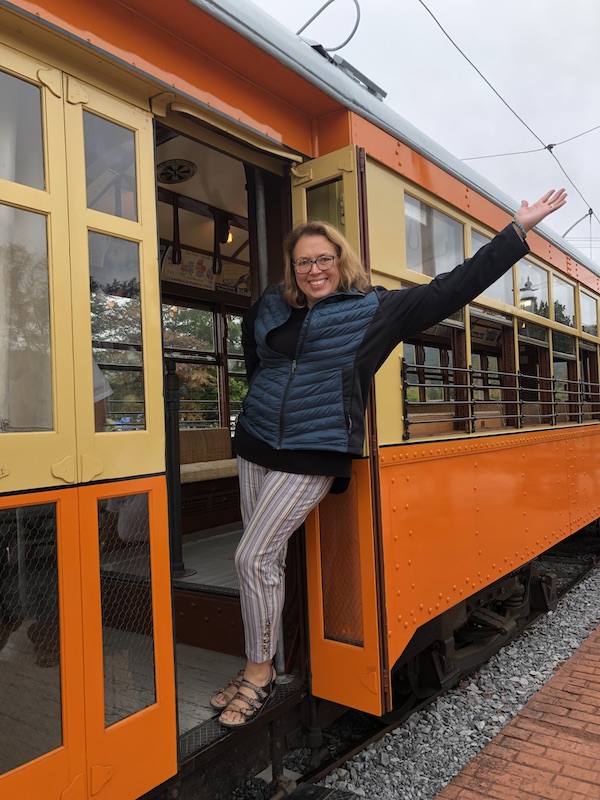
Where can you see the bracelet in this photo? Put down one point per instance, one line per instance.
(520, 227)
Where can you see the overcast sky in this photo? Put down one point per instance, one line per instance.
(541, 56)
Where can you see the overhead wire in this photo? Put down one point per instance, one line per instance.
(548, 147)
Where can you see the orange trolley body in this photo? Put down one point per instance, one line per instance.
(433, 516)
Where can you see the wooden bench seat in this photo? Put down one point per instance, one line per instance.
(205, 454)
(208, 476)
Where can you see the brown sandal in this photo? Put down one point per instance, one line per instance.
(229, 692)
(253, 705)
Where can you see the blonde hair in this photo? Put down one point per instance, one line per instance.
(352, 272)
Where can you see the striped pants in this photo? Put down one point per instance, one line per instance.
(273, 504)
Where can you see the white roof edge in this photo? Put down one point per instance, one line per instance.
(275, 39)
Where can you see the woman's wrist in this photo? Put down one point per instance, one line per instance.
(520, 229)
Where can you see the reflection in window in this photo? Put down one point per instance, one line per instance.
(326, 202)
(30, 688)
(116, 333)
(589, 314)
(189, 340)
(502, 289)
(563, 343)
(533, 289)
(127, 627)
(110, 167)
(434, 242)
(236, 367)
(429, 374)
(21, 144)
(563, 294)
(536, 332)
(486, 368)
(25, 356)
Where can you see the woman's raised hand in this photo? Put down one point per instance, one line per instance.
(529, 215)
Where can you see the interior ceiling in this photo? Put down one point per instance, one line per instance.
(219, 180)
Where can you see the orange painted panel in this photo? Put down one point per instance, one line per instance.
(458, 515)
(60, 772)
(147, 736)
(345, 672)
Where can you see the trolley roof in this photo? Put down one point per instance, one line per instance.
(299, 55)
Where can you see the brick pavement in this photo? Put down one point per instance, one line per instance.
(551, 749)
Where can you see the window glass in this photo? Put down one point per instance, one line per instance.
(533, 289)
(486, 369)
(434, 242)
(127, 627)
(115, 307)
(530, 331)
(561, 381)
(189, 339)
(589, 314)
(110, 167)
(502, 289)
(30, 686)
(25, 356)
(563, 343)
(412, 391)
(21, 145)
(563, 294)
(326, 201)
(236, 368)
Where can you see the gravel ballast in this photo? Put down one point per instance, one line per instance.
(416, 760)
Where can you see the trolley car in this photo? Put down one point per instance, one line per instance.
(152, 158)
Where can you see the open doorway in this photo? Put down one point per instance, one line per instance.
(211, 245)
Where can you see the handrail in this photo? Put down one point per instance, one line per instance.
(469, 398)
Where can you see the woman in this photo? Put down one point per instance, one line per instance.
(312, 347)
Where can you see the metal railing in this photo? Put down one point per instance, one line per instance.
(471, 400)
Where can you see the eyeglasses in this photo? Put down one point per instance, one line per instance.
(305, 264)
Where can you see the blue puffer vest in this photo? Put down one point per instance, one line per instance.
(310, 402)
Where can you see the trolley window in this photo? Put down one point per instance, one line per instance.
(563, 295)
(589, 314)
(533, 288)
(434, 241)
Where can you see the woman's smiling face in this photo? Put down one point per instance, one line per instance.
(317, 282)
